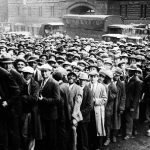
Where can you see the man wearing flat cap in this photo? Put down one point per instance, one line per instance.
(97, 123)
(133, 95)
(76, 95)
(49, 98)
(32, 61)
(31, 126)
(119, 103)
(64, 116)
(86, 107)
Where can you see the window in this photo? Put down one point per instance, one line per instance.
(123, 10)
(52, 11)
(40, 11)
(18, 10)
(29, 11)
(142, 6)
(143, 11)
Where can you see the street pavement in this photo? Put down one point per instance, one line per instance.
(140, 142)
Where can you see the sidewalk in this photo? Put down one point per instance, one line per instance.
(140, 142)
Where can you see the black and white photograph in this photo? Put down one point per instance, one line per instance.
(74, 74)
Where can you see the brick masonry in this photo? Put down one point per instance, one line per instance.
(43, 11)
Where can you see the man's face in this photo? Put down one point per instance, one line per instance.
(99, 63)
(8, 66)
(94, 78)
(116, 77)
(11, 52)
(108, 66)
(123, 66)
(125, 59)
(27, 76)
(20, 66)
(101, 78)
(131, 73)
(93, 68)
(2, 51)
(83, 82)
(71, 79)
(33, 64)
(132, 61)
(43, 58)
(45, 73)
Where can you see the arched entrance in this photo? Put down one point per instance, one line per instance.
(81, 8)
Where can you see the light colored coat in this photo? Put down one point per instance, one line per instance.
(100, 99)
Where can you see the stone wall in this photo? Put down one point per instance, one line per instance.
(44, 11)
(3, 11)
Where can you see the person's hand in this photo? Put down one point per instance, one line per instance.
(74, 121)
(4, 104)
(40, 97)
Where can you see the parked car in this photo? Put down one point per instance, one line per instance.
(113, 37)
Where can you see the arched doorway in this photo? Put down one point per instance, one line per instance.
(82, 10)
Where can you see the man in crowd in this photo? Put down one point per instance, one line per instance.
(9, 126)
(97, 124)
(133, 93)
(49, 98)
(76, 95)
(66, 106)
(86, 107)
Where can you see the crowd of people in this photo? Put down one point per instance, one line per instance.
(63, 93)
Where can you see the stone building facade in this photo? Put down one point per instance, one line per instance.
(33, 13)
(43, 11)
(3, 11)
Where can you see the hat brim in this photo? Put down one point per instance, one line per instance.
(32, 61)
(7, 62)
(72, 73)
(84, 79)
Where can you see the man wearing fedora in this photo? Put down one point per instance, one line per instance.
(64, 116)
(133, 95)
(49, 98)
(86, 107)
(7, 63)
(9, 93)
(119, 104)
(109, 111)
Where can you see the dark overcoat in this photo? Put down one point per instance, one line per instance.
(31, 117)
(133, 94)
(119, 104)
(9, 92)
